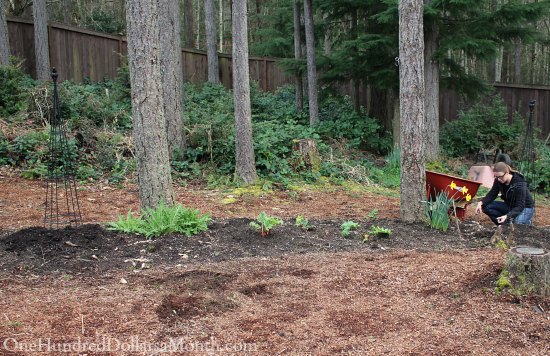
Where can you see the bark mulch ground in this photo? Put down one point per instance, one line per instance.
(416, 291)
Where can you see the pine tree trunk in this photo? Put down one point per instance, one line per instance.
(198, 23)
(245, 168)
(431, 72)
(298, 56)
(41, 43)
(517, 62)
(155, 182)
(412, 98)
(528, 269)
(311, 66)
(188, 23)
(211, 52)
(327, 41)
(172, 76)
(355, 82)
(4, 38)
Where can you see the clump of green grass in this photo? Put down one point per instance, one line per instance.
(162, 220)
(437, 212)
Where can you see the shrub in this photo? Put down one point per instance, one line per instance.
(13, 91)
(485, 125)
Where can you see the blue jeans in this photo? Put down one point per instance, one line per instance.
(496, 209)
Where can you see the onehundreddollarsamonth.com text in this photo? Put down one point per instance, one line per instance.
(133, 344)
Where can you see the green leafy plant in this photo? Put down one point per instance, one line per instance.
(163, 220)
(373, 214)
(347, 227)
(302, 223)
(437, 211)
(265, 223)
(376, 231)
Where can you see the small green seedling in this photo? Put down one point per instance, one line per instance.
(302, 223)
(348, 226)
(373, 214)
(265, 223)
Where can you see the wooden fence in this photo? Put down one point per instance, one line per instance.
(80, 54)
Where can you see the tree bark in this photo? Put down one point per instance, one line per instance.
(41, 43)
(4, 38)
(298, 56)
(188, 23)
(245, 168)
(172, 76)
(311, 66)
(412, 98)
(308, 153)
(154, 180)
(431, 72)
(211, 52)
(517, 62)
(528, 270)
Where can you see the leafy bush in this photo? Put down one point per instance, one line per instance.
(13, 91)
(485, 125)
(265, 223)
(339, 121)
(163, 220)
(302, 223)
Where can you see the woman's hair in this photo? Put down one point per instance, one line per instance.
(502, 167)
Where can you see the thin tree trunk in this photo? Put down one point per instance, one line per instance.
(431, 72)
(172, 76)
(327, 41)
(188, 23)
(212, 54)
(517, 62)
(154, 180)
(355, 82)
(311, 66)
(41, 43)
(220, 25)
(198, 22)
(498, 65)
(412, 98)
(245, 168)
(298, 56)
(4, 38)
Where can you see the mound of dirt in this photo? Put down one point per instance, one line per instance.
(91, 249)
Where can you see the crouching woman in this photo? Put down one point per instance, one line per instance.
(518, 205)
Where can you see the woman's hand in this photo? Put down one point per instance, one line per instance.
(478, 207)
(502, 219)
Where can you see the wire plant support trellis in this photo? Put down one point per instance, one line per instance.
(527, 162)
(61, 205)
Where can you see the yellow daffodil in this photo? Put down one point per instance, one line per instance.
(468, 197)
(464, 190)
(453, 185)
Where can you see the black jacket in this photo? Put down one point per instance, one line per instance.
(516, 195)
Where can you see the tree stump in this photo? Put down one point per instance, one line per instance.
(306, 150)
(528, 270)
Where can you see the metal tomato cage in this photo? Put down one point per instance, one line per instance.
(61, 205)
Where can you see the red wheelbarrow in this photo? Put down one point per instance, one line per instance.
(461, 190)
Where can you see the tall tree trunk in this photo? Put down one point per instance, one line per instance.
(517, 62)
(4, 38)
(412, 98)
(311, 66)
(198, 22)
(41, 43)
(327, 41)
(155, 182)
(245, 168)
(431, 72)
(172, 75)
(298, 56)
(355, 82)
(188, 23)
(220, 25)
(498, 65)
(211, 52)
(66, 11)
